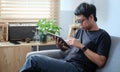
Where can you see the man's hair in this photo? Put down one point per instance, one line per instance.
(86, 10)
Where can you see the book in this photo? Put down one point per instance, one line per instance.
(60, 39)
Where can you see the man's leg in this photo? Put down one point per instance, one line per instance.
(41, 63)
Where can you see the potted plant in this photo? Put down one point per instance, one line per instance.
(44, 25)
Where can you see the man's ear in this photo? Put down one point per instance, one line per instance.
(91, 17)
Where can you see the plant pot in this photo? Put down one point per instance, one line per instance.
(43, 37)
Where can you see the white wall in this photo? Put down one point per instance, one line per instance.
(70, 5)
(107, 14)
(66, 14)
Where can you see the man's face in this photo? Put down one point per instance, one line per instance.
(83, 22)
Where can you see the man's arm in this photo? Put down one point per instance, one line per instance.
(94, 57)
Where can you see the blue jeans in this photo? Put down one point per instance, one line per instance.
(42, 63)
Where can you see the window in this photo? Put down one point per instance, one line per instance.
(28, 10)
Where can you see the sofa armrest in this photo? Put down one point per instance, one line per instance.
(55, 53)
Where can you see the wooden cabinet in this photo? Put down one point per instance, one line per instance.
(12, 58)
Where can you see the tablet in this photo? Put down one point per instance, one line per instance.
(61, 39)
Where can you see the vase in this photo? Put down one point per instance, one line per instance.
(43, 37)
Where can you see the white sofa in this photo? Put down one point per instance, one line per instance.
(112, 65)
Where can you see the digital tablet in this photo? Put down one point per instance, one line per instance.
(60, 39)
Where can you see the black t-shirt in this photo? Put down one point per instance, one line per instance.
(98, 41)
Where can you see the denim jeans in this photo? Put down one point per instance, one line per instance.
(42, 63)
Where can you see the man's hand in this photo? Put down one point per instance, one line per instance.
(59, 44)
(75, 42)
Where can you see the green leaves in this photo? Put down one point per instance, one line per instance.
(44, 26)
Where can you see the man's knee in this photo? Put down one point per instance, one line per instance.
(34, 53)
(31, 54)
(34, 56)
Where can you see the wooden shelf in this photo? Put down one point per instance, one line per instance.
(5, 31)
(32, 43)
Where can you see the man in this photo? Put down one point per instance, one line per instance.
(89, 47)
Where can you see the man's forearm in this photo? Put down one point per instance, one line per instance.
(95, 58)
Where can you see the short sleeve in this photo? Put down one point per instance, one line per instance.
(104, 45)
